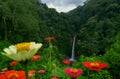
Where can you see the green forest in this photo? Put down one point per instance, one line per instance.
(96, 26)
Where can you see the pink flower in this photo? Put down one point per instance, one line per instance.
(2, 73)
(41, 71)
(73, 72)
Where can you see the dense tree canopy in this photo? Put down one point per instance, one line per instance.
(18, 20)
(96, 24)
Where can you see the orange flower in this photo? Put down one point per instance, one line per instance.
(49, 38)
(31, 73)
(95, 66)
(36, 57)
(12, 74)
(13, 63)
(66, 61)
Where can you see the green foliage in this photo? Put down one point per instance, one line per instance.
(3, 44)
(112, 56)
(103, 74)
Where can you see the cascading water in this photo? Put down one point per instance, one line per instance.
(73, 50)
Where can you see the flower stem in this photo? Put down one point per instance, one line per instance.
(26, 69)
(50, 51)
(50, 44)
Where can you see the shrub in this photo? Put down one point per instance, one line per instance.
(112, 56)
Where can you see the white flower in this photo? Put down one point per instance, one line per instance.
(22, 51)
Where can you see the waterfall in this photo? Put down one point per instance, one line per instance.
(73, 50)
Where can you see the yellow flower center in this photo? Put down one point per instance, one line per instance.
(73, 70)
(94, 64)
(22, 46)
(13, 76)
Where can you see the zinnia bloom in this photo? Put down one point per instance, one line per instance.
(31, 73)
(66, 61)
(54, 77)
(13, 63)
(73, 72)
(49, 38)
(12, 74)
(2, 76)
(22, 51)
(95, 66)
(36, 57)
(41, 71)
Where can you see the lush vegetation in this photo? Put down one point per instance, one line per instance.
(96, 25)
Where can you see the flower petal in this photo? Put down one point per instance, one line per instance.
(13, 49)
(86, 64)
(103, 65)
(10, 50)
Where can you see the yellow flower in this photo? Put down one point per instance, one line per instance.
(22, 51)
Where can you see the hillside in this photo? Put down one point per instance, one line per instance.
(96, 24)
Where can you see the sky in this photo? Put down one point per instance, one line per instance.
(63, 5)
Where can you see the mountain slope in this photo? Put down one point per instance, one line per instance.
(98, 22)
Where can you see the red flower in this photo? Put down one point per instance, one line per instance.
(95, 66)
(36, 57)
(2, 76)
(13, 63)
(54, 77)
(12, 74)
(66, 61)
(73, 72)
(41, 71)
(49, 38)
